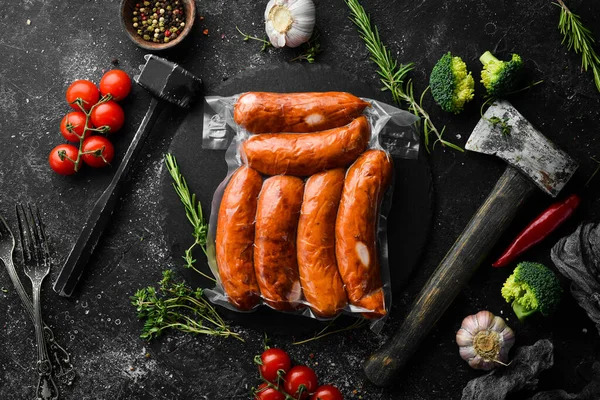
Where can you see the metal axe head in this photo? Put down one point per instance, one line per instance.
(524, 147)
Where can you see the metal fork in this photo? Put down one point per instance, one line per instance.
(63, 368)
(36, 260)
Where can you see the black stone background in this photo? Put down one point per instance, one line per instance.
(79, 39)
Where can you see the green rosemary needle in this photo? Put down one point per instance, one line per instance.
(394, 75)
(580, 39)
(193, 211)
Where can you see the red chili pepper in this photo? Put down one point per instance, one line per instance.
(539, 229)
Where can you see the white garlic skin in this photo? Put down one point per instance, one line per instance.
(489, 326)
(289, 22)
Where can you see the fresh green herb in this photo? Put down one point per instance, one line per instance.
(265, 43)
(580, 39)
(496, 121)
(594, 173)
(323, 333)
(193, 211)
(176, 306)
(311, 49)
(394, 75)
(5, 290)
(503, 123)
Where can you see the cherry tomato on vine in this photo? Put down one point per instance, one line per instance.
(327, 392)
(117, 83)
(60, 159)
(273, 360)
(75, 121)
(300, 375)
(102, 151)
(84, 90)
(266, 393)
(108, 114)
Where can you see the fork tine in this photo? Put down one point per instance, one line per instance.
(35, 240)
(38, 234)
(43, 239)
(24, 233)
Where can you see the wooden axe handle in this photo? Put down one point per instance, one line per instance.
(473, 245)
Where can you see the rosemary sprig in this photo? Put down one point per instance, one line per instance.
(580, 39)
(176, 306)
(193, 211)
(394, 75)
(265, 43)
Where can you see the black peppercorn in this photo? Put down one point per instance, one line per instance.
(161, 19)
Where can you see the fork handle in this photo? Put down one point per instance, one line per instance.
(46, 387)
(62, 356)
(100, 216)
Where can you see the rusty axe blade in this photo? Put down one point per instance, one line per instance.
(523, 147)
(533, 161)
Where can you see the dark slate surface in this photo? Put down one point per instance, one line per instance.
(79, 39)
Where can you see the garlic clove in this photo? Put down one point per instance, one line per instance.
(276, 38)
(464, 338)
(498, 324)
(484, 319)
(467, 352)
(470, 325)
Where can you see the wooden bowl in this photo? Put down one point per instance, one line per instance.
(127, 7)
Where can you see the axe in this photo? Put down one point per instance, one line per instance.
(533, 162)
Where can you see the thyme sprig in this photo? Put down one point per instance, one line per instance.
(324, 332)
(193, 212)
(265, 43)
(176, 306)
(580, 39)
(311, 49)
(394, 75)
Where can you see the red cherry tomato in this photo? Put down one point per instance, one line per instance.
(327, 392)
(117, 83)
(59, 159)
(72, 124)
(84, 90)
(273, 360)
(102, 151)
(108, 114)
(297, 376)
(266, 393)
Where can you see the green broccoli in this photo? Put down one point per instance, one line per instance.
(532, 287)
(451, 84)
(500, 77)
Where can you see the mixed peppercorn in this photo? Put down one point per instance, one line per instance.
(159, 22)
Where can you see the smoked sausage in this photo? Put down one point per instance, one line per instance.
(235, 238)
(321, 282)
(275, 260)
(263, 112)
(356, 230)
(304, 154)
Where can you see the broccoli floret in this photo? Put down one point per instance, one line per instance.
(500, 77)
(451, 84)
(532, 287)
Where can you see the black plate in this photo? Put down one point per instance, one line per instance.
(412, 210)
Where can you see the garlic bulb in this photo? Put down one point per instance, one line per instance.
(484, 340)
(289, 22)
